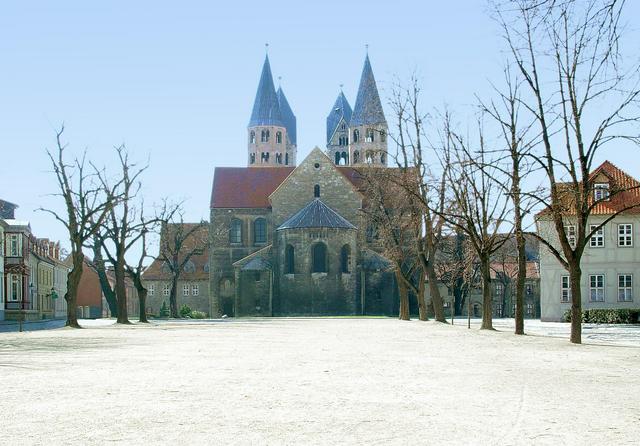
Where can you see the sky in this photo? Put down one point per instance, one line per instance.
(175, 81)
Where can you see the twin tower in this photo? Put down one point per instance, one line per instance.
(354, 137)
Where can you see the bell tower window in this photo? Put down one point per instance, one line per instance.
(278, 137)
(316, 191)
(252, 137)
(356, 135)
(264, 136)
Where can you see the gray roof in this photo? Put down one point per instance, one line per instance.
(287, 116)
(266, 110)
(372, 261)
(256, 264)
(341, 109)
(368, 108)
(316, 214)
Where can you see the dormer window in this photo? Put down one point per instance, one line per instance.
(601, 191)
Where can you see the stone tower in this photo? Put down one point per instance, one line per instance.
(272, 127)
(338, 131)
(368, 126)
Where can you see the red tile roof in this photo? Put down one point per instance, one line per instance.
(246, 187)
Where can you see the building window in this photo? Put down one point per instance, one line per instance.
(189, 267)
(345, 158)
(356, 135)
(383, 136)
(316, 191)
(499, 289)
(369, 135)
(625, 287)
(343, 126)
(597, 239)
(498, 309)
(601, 191)
(319, 258)
(529, 309)
(286, 159)
(571, 235)
(252, 158)
(185, 290)
(565, 296)
(383, 158)
(625, 234)
(369, 157)
(345, 259)
(343, 141)
(356, 157)
(337, 158)
(195, 290)
(152, 289)
(596, 287)
(15, 288)
(235, 231)
(166, 289)
(290, 260)
(14, 245)
(252, 137)
(264, 136)
(278, 137)
(260, 230)
(528, 289)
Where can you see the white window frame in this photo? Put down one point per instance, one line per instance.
(565, 289)
(11, 238)
(185, 289)
(571, 232)
(625, 235)
(152, 289)
(14, 288)
(499, 288)
(166, 290)
(625, 292)
(530, 309)
(601, 191)
(597, 239)
(596, 289)
(195, 290)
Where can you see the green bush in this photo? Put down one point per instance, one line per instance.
(185, 311)
(607, 316)
(195, 314)
(164, 310)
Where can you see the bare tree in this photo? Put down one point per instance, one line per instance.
(100, 266)
(87, 205)
(568, 53)
(179, 242)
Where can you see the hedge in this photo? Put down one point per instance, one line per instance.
(607, 316)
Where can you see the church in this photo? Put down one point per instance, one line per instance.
(289, 238)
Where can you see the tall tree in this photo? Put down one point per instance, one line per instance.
(569, 55)
(86, 205)
(179, 242)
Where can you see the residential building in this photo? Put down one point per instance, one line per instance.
(610, 262)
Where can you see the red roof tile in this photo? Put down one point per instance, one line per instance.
(246, 187)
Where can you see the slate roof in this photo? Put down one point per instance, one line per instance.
(246, 187)
(288, 117)
(316, 214)
(372, 261)
(266, 109)
(368, 108)
(341, 110)
(257, 261)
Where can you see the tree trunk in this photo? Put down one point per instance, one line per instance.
(404, 299)
(109, 294)
(71, 296)
(487, 307)
(173, 300)
(575, 276)
(422, 305)
(121, 291)
(520, 279)
(436, 298)
(142, 299)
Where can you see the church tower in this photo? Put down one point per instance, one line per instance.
(272, 127)
(368, 126)
(338, 131)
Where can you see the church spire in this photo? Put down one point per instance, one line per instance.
(368, 108)
(288, 117)
(266, 110)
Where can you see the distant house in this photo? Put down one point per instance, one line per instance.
(611, 260)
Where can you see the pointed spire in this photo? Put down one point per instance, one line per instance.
(341, 109)
(266, 110)
(288, 117)
(368, 108)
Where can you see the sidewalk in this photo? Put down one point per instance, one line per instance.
(46, 324)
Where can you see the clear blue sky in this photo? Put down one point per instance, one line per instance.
(175, 81)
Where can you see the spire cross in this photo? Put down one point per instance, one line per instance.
(366, 48)
(279, 81)
(341, 85)
(266, 48)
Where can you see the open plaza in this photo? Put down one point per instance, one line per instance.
(319, 381)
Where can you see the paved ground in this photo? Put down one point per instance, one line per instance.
(6, 326)
(313, 381)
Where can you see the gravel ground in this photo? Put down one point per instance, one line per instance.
(313, 381)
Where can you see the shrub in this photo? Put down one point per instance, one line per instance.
(195, 314)
(607, 316)
(164, 310)
(185, 311)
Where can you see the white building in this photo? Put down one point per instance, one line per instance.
(611, 260)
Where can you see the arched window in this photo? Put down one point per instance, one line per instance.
(286, 159)
(260, 230)
(356, 157)
(343, 126)
(189, 267)
(278, 137)
(337, 158)
(369, 135)
(264, 136)
(252, 158)
(235, 231)
(252, 137)
(264, 157)
(369, 157)
(279, 158)
(316, 191)
(345, 158)
(289, 260)
(356, 135)
(383, 158)
(383, 136)
(319, 258)
(345, 259)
